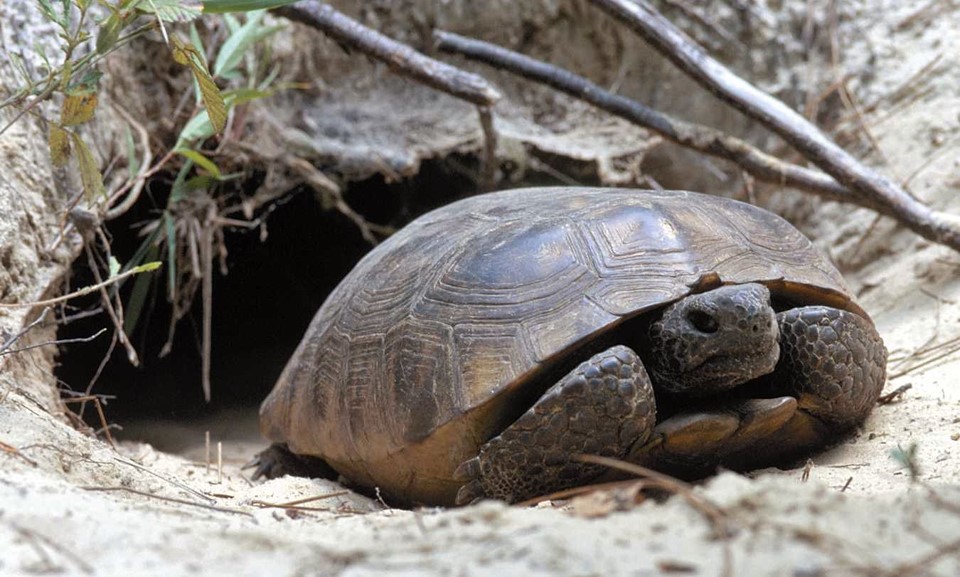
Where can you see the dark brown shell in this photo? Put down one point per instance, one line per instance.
(408, 365)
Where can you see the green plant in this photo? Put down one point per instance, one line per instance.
(66, 96)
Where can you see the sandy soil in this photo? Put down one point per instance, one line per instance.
(71, 505)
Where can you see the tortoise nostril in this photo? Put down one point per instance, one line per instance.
(703, 322)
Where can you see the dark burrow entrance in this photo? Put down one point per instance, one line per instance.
(260, 311)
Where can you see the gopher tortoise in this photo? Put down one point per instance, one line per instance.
(480, 349)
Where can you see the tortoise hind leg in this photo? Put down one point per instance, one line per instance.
(602, 407)
(277, 460)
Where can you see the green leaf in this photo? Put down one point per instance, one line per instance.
(114, 266)
(173, 10)
(138, 295)
(187, 55)
(222, 6)
(232, 51)
(147, 267)
(109, 32)
(90, 175)
(171, 231)
(133, 161)
(59, 140)
(178, 191)
(201, 160)
(199, 128)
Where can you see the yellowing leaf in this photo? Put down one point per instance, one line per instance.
(187, 55)
(78, 107)
(59, 140)
(90, 175)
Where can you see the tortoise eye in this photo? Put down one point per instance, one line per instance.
(703, 322)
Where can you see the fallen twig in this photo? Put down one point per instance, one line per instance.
(806, 138)
(298, 503)
(701, 138)
(714, 514)
(170, 499)
(96, 403)
(170, 480)
(10, 449)
(894, 395)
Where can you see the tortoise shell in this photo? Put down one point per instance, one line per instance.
(426, 349)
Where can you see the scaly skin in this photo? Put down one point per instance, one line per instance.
(828, 378)
(602, 407)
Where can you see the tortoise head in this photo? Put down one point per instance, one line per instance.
(716, 340)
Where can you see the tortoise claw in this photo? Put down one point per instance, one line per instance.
(277, 460)
(470, 493)
(468, 470)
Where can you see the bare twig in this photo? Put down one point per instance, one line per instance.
(298, 504)
(99, 407)
(489, 172)
(401, 58)
(115, 315)
(170, 499)
(321, 183)
(894, 395)
(714, 514)
(57, 342)
(873, 187)
(9, 342)
(10, 449)
(697, 137)
(170, 480)
(78, 293)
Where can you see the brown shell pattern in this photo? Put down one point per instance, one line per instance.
(469, 300)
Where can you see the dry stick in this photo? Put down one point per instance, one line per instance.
(489, 175)
(401, 58)
(111, 311)
(9, 342)
(10, 449)
(698, 137)
(872, 186)
(78, 293)
(169, 499)
(713, 513)
(406, 61)
(298, 503)
(170, 480)
(57, 342)
(99, 407)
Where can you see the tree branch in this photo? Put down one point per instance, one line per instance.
(666, 38)
(697, 137)
(401, 58)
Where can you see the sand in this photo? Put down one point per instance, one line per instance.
(72, 505)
